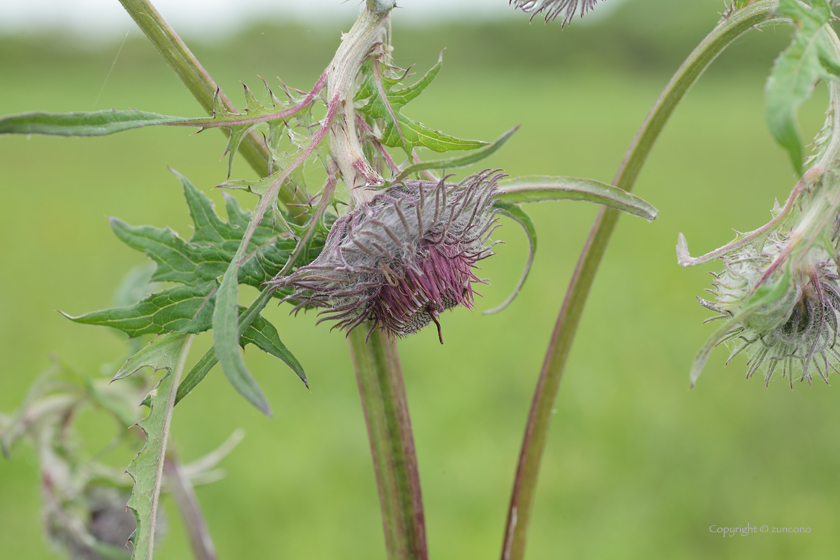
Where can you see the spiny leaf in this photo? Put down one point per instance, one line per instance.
(177, 260)
(168, 352)
(263, 335)
(537, 189)
(284, 168)
(517, 214)
(97, 123)
(157, 354)
(187, 309)
(398, 98)
(198, 264)
(239, 124)
(400, 131)
(184, 309)
(809, 59)
(255, 113)
(214, 242)
(417, 134)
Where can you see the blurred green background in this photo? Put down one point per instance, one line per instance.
(637, 465)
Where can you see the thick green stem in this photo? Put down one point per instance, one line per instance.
(760, 13)
(391, 442)
(199, 82)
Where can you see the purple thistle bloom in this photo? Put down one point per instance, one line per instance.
(402, 258)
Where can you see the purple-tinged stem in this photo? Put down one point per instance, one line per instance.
(533, 444)
(220, 122)
(182, 491)
(273, 191)
(685, 259)
(382, 391)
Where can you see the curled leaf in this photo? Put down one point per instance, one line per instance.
(538, 189)
(517, 214)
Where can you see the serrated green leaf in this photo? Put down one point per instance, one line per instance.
(263, 335)
(176, 260)
(809, 59)
(158, 354)
(184, 309)
(517, 214)
(460, 161)
(538, 189)
(417, 134)
(170, 353)
(260, 333)
(214, 242)
(382, 101)
(98, 123)
(398, 98)
(198, 264)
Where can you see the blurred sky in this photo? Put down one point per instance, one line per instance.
(106, 17)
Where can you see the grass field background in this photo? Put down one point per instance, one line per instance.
(637, 465)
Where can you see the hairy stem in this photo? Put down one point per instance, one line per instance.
(182, 491)
(199, 82)
(391, 442)
(760, 13)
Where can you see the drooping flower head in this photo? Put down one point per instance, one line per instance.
(779, 292)
(402, 258)
(792, 331)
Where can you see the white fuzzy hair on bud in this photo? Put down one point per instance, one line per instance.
(793, 333)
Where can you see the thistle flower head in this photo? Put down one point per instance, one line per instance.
(554, 8)
(401, 259)
(792, 326)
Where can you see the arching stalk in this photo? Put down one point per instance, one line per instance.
(758, 14)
